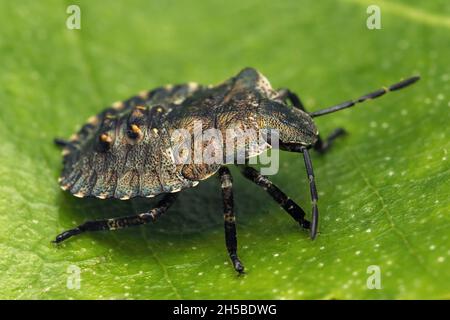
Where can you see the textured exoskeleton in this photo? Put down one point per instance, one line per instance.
(108, 159)
(128, 149)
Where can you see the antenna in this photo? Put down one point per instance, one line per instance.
(375, 94)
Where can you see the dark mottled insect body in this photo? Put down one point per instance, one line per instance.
(126, 150)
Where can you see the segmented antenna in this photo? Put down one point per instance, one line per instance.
(375, 94)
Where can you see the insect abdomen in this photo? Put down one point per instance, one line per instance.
(123, 151)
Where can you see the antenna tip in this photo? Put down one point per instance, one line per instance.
(414, 79)
(404, 83)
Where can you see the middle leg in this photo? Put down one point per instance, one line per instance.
(229, 219)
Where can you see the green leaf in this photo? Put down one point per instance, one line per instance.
(384, 189)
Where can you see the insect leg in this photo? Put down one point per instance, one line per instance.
(229, 218)
(121, 222)
(313, 189)
(291, 96)
(284, 201)
(323, 146)
(61, 143)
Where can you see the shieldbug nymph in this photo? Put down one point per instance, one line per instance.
(125, 151)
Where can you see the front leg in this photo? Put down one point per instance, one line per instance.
(313, 191)
(323, 146)
(312, 184)
(286, 94)
(294, 210)
(226, 182)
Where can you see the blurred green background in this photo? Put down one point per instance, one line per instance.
(384, 189)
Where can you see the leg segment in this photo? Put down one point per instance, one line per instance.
(322, 146)
(62, 143)
(229, 218)
(287, 94)
(313, 189)
(121, 222)
(284, 201)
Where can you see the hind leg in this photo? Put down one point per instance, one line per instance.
(121, 222)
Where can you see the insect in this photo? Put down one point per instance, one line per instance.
(125, 151)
